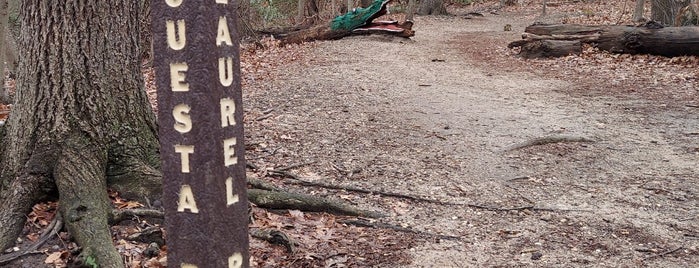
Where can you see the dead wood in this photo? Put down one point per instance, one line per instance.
(123, 214)
(547, 140)
(287, 200)
(52, 229)
(378, 225)
(297, 180)
(274, 237)
(293, 166)
(664, 253)
(650, 38)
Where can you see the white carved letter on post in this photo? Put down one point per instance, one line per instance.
(229, 157)
(223, 36)
(175, 3)
(183, 122)
(227, 112)
(178, 72)
(225, 71)
(176, 40)
(235, 260)
(184, 151)
(187, 200)
(230, 197)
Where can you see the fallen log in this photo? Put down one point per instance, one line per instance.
(359, 21)
(556, 40)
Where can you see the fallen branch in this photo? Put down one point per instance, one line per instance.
(297, 180)
(547, 140)
(661, 254)
(286, 200)
(274, 237)
(51, 230)
(123, 214)
(378, 225)
(294, 166)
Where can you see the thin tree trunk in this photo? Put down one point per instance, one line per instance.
(81, 120)
(432, 7)
(300, 11)
(410, 11)
(245, 28)
(638, 11)
(4, 25)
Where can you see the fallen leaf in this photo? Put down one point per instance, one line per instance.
(53, 257)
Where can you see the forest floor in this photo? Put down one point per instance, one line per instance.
(587, 160)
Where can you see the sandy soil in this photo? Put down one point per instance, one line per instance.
(435, 117)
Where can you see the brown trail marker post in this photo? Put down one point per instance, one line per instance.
(197, 67)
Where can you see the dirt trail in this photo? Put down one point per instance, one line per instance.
(418, 117)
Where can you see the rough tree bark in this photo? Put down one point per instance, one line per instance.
(432, 7)
(554, 40)
(81, 121)
(4, 20)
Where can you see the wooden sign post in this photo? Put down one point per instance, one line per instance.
(197, 67)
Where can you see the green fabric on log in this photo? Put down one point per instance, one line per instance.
(358, 17)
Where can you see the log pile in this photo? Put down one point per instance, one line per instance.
(557, 40)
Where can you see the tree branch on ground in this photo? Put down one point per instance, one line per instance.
(547, 140)
(378, 225)
(52, 229)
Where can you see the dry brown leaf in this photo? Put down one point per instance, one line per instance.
(53, 257)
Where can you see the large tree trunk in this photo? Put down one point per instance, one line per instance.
(432, 7)
(648, 39)
(81, 120)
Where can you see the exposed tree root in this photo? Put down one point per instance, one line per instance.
(297, 180)
(286, 200)
(274, 237)
(365, 223)
(122, 214)
(84, 202)
(51, 230)
(547, 140)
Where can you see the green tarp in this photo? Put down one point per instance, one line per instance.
(358, 17)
